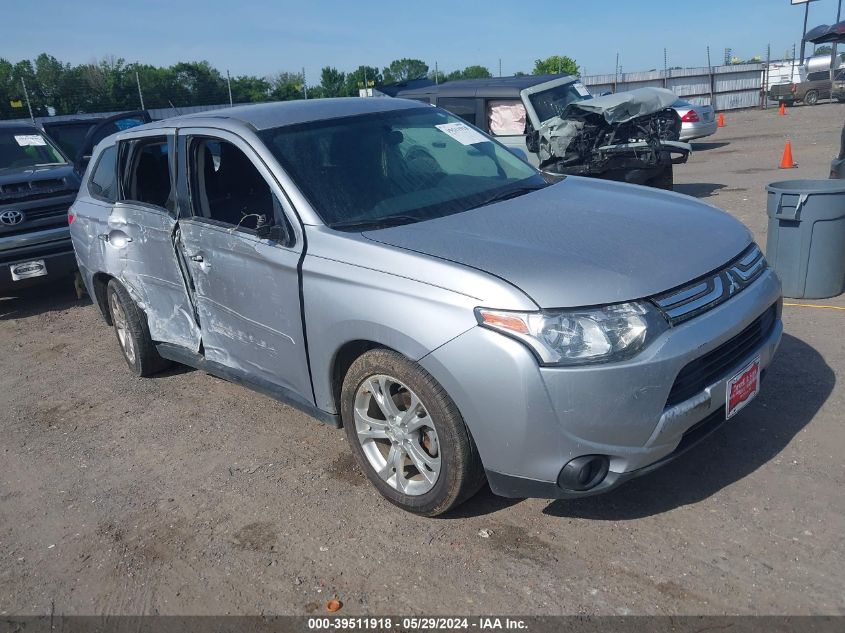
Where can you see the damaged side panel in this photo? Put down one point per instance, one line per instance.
(146, 264)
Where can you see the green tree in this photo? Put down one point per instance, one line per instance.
(356, 79)
(333, 82)
(405, 69)
(286, 86)
(437, 76)
(475, 72)
(555, 65)
(250, 89)
(825, 49)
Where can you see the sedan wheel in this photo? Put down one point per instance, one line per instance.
(397, 435)
(811, 98)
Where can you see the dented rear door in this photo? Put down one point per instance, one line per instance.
(139, 240)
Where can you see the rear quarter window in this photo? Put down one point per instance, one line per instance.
(103, 183)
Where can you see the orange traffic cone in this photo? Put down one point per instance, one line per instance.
(721, 120)
(782, 111)
(786, 162)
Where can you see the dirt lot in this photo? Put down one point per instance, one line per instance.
(185, 494)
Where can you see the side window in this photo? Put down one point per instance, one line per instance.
(226, 186)
(462, 107)
(506, 117)
(103, 183)
(818, 76)
(149, 173)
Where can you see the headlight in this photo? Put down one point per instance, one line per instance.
(576, 337)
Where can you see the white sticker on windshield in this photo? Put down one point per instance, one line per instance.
(579, 87)
(27, 140)
(462, 133)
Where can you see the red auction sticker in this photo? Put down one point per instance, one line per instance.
(743, 387)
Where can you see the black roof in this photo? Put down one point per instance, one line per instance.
(494, 87)
(18, 125)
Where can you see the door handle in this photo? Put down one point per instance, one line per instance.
(196, 258)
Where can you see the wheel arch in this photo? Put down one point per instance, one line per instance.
(347, 354)
(100, 283)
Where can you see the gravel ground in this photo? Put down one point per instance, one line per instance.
(184, 494)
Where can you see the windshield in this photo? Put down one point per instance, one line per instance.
(552, 102)
(22, 148)
(397, 167)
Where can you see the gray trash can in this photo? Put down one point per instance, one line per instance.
(806, 240)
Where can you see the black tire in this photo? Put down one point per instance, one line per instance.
(461, 473)
(138, 349)
(811, 98)
(664, 180)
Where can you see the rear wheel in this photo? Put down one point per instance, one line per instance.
(133, 335)
(407, 434)
(811, 98)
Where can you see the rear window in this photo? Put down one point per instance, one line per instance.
(818, 76)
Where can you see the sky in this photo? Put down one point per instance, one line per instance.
(261, 37)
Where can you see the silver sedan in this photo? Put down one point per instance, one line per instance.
(697, 121)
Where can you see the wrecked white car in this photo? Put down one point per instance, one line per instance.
(630, 136)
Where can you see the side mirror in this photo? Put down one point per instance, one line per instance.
(273, 232)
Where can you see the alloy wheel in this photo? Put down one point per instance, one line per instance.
(397, 435)
(121, 326)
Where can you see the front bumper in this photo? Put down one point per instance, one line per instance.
(529, 421)
(56, 252)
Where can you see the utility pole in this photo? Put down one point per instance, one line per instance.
(28, 104)
(616, 75)
(665, 68)
(710, 73)
(229, 85)
(500, 67)
(436, 74)
(304, 84)
(767, 74)
(140, 94)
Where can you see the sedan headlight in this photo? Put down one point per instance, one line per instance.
(575, 337)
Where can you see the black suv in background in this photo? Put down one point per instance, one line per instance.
(38, 183)
(37, 186)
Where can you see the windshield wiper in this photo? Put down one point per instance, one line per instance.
(507, 195)
(375, 223)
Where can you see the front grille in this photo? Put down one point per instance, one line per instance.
(33, 186)
(696, 297)
(706, 370)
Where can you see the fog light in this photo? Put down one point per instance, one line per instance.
(583, 473)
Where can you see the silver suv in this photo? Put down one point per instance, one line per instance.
(389, 268)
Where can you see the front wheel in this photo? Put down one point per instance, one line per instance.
(407, 434)
(664, 180)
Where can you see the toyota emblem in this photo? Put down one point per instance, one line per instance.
(11, 217)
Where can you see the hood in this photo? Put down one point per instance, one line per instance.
(24, 182)
(627, 106)
(582, 242)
